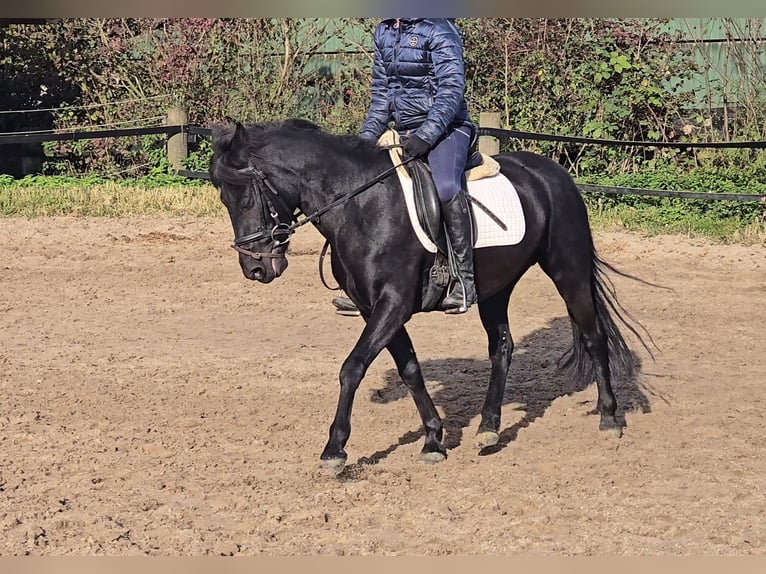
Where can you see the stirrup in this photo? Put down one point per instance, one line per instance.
(346, 307)
(462, 308)
(464, 305)
(456, 310)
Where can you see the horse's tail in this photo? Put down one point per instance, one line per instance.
(609, 311)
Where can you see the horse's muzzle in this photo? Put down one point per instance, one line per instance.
(262, 267)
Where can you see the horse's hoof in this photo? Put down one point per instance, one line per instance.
(486, 439)
(611, 429)
(433, 457)
(333, 465)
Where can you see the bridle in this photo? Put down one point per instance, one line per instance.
(280, 232)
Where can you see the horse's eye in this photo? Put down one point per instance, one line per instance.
(247, 201)
(225, 197)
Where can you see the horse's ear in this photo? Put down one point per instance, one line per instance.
(221, 135)
(232, 142)
(241, 139)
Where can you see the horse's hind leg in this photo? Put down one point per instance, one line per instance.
(573, 276)
(494, 317)
(407, 364)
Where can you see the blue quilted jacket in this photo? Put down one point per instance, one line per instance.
(417, 78)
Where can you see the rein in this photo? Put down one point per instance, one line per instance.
(280, 233)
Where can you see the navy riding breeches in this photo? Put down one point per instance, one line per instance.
(447, 160)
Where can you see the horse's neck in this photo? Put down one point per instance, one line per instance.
(339, 181)
(329, 176)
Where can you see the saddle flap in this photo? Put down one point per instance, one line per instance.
(427, 204)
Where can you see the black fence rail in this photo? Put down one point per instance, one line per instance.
(515, 134)
(501, 134)
(504, 134)
(39, 137)
(50, 136)
(610, 190)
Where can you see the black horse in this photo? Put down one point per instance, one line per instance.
(268, 174)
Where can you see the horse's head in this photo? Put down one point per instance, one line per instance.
(259, 218)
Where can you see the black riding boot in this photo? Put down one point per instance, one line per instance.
(457, 220)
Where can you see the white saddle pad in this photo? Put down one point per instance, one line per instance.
(495, 192)
(498, 195)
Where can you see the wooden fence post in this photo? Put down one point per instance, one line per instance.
(488, 144)
(178, 147)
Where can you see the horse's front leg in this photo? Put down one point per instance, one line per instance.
(385, 321)
(409, 369)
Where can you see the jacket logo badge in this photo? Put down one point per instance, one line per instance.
(413, 41)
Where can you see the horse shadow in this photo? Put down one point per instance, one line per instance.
(458, 387)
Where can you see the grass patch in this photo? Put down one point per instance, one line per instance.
(109, 200)
(654, 220)
(53, 197)
(720, 220)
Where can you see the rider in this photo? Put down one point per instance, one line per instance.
(418, 84)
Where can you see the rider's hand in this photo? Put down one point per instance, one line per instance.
(415, 147)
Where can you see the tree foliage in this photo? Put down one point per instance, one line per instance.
(600, 78)
(128, 71)
(607, 79)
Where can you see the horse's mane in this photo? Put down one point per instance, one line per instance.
(261, 135)
(345, 143)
